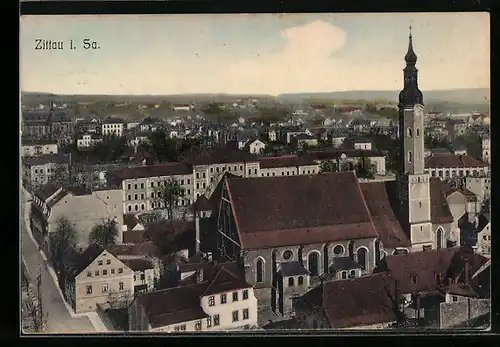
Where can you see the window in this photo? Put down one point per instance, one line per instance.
(427, 248)
(152, 184)
(104, 288)
(409, 132)
(112, 271)
(197, 325)
(223, 298)
(300, 281)
(211, 300)
(410, 157)
(142, 185)
(245, 313)
(209, 322)
(89, 289)
(352, 274)
(183, 327)
(343, 275)
(454, 298)
(249, 171)
(338, 250)
(96, 273)
(135, 186)
(439, 238)
(362, 257)
(129, 186)
(245, 294)
(197, 175)
(99, 262)
(260, 271)
(313, 263)
(129, 197)
(120, 270)
(255, 171)
(287, 255)
(235, 296)
(142, 196)
(104, 272)
(108, 261)
(89, 274)
(120, 286)
(135, 196)
(177, 328)
(291, 282)
(417, 133)
(236, 316)
(216, 320)
(414, 279)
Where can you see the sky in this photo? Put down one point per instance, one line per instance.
(253, 53)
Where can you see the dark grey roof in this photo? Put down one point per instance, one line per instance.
(344, 263)
(113, 121)
(292, 268)
(46, 158)
(35, 142)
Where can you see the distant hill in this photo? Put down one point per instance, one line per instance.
(44, 97)
(478, 96)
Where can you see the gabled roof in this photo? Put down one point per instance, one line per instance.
(292, 210)
(358, 302)
(378, 197)
(202, 204)
(440, 210)
(292, 268)
(223, 155)
(225, 281)
(420, 271)
(46, 191)
(89, 255)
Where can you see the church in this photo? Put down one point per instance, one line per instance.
(290, 233)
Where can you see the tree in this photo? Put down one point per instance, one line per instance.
(472, 142)
(365, 169)
(61, 239)
(167, 195)
(104, 234)
(164, 149)
(328, 166)
(60, 176)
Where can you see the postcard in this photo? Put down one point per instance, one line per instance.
(255, 173)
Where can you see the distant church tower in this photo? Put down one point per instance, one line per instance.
(413, 183)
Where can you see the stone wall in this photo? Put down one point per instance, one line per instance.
(455, 314)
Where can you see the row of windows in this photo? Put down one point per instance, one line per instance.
(223, 298)
(142, 207)
(291, 281)
(454, 173)
(158, 184)
(112, 125)
(104, 288)
(288, 173)
(215, 320)
(153, 195)
(41, 170)
(104, 272)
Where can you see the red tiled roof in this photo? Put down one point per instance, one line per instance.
(292, 210)
(388, 227)
(158, 170)
(358, 302)
(440, 210)
(422, 266)
(441, 161)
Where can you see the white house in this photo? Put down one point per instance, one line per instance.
(184, 108)
(272, 135)
(32, 148)
(256, 147)
(219, 301)
(113, 126)
(87, 140)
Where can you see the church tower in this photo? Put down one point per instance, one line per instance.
(414, 184)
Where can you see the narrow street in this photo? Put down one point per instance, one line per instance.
(59, 319)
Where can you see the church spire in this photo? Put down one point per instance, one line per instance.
(410, 95)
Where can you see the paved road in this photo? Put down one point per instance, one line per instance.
(59, 320)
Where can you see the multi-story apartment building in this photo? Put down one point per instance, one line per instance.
(38, 170)
(139, 185)
(113, 126)
(83, 207)
(450, 165)
(95, 277)
(219, 300)
(32, 148)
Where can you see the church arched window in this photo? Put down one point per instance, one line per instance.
(409, 132)
(410, 157)
(260, 271)
(313, 263)
(439, 238)
(362, 257)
